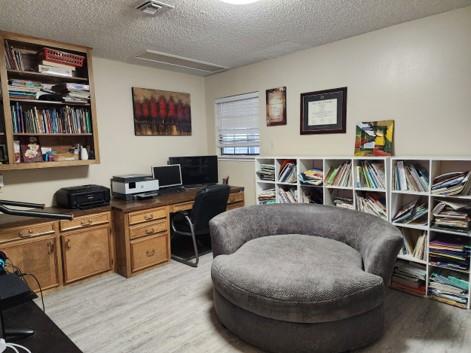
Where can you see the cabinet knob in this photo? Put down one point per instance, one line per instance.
(150, 253)
(149, 217)
(26, 234)
(150, 231)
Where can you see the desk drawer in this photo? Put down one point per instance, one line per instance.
(236, 197)
(185, 206)
(149, 251)
(147, 215)
(148, 228)
(86, 221)
(27, 232)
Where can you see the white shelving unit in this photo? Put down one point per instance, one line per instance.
(393, 199)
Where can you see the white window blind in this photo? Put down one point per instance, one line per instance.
(237, 120)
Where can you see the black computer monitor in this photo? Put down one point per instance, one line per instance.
(197, 170)
(168, 175)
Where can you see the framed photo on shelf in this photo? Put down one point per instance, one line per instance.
(324, 112)
(276, 106)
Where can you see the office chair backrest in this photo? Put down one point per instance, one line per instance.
(209, 202)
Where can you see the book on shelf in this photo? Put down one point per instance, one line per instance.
(340, 175)
(266, 172)
(312, 195)
(450, 288)
(287, 196)
(370, 175)
(409, 176)
(414, 212)
(58, 71)
(20, 59)
(287, 173)
(63, 92)
(414, 243)
(452, 215)
(314, 176)
(372, 204)
(453, 255)
(342, 201)
(409, 277)
(451, 184)
(62, 120)
(267, 197)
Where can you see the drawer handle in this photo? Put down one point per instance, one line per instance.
(150, 253)
(26, 234)
(149, 217)
(86, 223)
(67, 244)
(50, 248)
(150, 231)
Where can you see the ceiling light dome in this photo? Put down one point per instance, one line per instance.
(239, 2)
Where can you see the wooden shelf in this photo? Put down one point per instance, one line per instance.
(43, 77)
(40, 165)
(53, 140)
(37, 101)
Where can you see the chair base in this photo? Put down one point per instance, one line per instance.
(286, 337)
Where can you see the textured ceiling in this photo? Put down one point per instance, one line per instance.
(210, 30)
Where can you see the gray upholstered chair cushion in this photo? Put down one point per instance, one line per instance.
(297, 278)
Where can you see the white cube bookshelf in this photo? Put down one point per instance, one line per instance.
(392, 197)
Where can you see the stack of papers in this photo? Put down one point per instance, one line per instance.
(343, 202)
(412, 213)
(452, 215)
(73, 92)
(312, 177)
(23, 89)
(267, 197)
(372, 204)
(455, 183)
(409, 277)
(451, 289)
(266, 172)
(449, 255)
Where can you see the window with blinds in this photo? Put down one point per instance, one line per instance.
(237, 119)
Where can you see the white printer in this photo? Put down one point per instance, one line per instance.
(134, 186)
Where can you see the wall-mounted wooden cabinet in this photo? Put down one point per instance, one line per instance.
(47, 100)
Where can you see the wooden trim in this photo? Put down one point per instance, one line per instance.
(91, 83)
(44, 42)
(8, 124)
(42, 165)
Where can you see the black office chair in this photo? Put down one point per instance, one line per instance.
(209, 202)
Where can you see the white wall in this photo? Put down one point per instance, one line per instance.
(121, 151)
(417, 73)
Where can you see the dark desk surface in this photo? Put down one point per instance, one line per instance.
(48, 338)
(7, 221)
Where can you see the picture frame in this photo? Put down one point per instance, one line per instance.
(324, 112)
(374, 138)
(161, 113)
(276, 106)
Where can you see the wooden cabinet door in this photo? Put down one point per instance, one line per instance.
(38, 257)
(86, 252)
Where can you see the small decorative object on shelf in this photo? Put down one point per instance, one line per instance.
(48, 89)
(83, 154)
(31, 151)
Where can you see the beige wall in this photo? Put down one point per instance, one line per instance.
(417, 73)
(121, 151)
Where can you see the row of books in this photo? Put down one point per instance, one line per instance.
(415, 243)
(370, 175)
(266, 172)
(415, 212)
(372, 204)
(340, 175)
(409, 277)
(452, 215)
(287, 173)
(450, 255)
(287, 196)
(312, 176)
(449, 288)
(63, 120)
(66, 92)
(410, 177)
(451, 184)
(267, 197)
(343, 201)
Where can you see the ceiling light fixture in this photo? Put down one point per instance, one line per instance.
(239, 2)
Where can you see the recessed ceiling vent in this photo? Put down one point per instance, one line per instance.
(154, 8)
(180, 62)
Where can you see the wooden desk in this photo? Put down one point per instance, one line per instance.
(142, 228)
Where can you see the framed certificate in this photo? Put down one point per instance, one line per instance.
(324, 112)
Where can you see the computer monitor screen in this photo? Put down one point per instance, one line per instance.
(197, 170)
(168, 175)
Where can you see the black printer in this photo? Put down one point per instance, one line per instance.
(82, 197)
